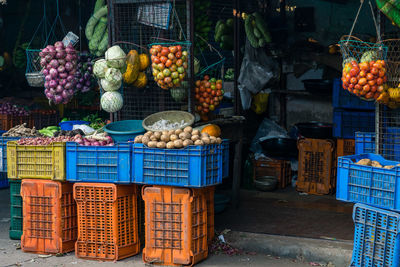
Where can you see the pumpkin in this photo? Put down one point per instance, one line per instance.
(7, 58)
(212, 130)
(144, 62)
(132, 68)
(141, 80)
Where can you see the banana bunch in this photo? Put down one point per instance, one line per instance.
(390, 97)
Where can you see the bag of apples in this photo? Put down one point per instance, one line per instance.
(364, 68)
(169, 63)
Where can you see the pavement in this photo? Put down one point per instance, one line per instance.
(255, 250)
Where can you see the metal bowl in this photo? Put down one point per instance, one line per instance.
(171, 116)
(266, 183)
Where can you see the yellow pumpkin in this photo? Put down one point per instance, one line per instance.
(144, 62)
(132, 68)
(212, 130)
(141, 80)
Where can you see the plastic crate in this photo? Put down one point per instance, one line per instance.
(9, 121)
(365, 143)
(390, 140)
(49, 217)
(3, 151)
(193, 166)
(376, 237)
(36, 162)
(281, 169)
(45, 118)
(346, 123)
(108, 221)
(141, 216)
(369, 185)
(3, 180)
(210, 191)
(176, 225)
(99, 164)
(316, 170)
(15, 209)
(345, 147)
(342, 98)
(225, 158)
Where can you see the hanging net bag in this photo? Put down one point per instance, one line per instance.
(364, 64)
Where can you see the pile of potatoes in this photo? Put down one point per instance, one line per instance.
(373, 163)
(176, 138)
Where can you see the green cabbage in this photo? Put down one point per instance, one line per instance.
(111, 101)
(115, 57)
(108, 87)
(100, 68)
(113, 76)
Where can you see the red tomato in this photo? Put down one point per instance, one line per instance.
(380, 88)
(370, 76)
(163, 59)
(168, 63)
(369, 95)
(178, 54)
(364, 66)
(164, 51)
(353, 80)
(351, 86)
(173, 49)
(384, 78)
(376, 95)
(377, 64)
(374, 71)
(354, 63)
(357, 86)
(362, 81)
(371, 64)
(171, 56)
(362, 92)
(372, 82)
(156, 60)
(354, 71)
(362, 73)
(179, 47)
(379, 81)
(381, 73)
(366, 88)
(374, 88)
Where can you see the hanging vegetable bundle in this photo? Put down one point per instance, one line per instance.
(391, 9)
(96, 29)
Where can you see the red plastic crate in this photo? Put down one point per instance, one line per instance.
(281, 169)
(9, 121)
(49, 217)
(108, 221)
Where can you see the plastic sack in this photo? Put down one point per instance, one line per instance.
(86, 129)
(267, 129)
(260, 102)
(256, 71)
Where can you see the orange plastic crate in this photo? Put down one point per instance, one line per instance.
(281, 169)
(345, 147)
(9, 121)
(108, 221)
(49, 217)
(209, 191)
(141, 221)
(176, 225)
(317, 168)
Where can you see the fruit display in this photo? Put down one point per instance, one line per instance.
(209, 94)
(224, 34)
(212, 130)
(176, 139)
(84, 74)
(365, 78)
(256, 30)
(96, 29)
(136, 66)
(202, 22)
(169, 65)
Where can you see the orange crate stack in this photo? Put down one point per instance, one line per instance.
(345, 147)
(210, 191)
(176, 225)
(49, 217)
(107, 221)
(8, 121)
(316, 171)
(281, 169)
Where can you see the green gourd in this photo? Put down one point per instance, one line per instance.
(90, 26)
(249, 31)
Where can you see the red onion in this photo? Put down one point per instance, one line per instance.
(43, 62)
(61, 61)
(68, 85)
(63, 75)
(46, 84)
(58, 99)
(70, 78)
(45, 72)
(53, 84)
(60, 55)
(53, 73)
(69, 58)
(48, 57)
(59, 44)
(54, 63)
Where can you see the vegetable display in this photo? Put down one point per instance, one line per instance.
(49, 131)
(169, 65)
(95, 122)
(10, 109)
(135, 70)
(256, 30)
(209, 94)
(59, 68)
(21, 131)
(96, 29)
(176, 139)
(111, 101)
(365, 79)
(84, 74)
(373, 163)
(224, 34)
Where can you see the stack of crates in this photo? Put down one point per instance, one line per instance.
(37, 179)
(178, 192)
(273, 167)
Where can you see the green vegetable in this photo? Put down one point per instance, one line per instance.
(249, 31)
(390, 9)
(64, 119)
(98, 5)
(90, 26)
(103, 43)
(98, 34)
(261, 43)
(262, 27)
(257, 33)
(219, 32)
(229, 22)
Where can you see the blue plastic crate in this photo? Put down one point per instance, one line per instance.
(376, 237)
(375, 186)
(193, 166)
(342, 98)
(365, 143)
(3, 151)
(3, 180)
(346, 123)
(225, 158)
(99, 164)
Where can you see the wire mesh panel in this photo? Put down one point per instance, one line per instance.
(389, 133)
(141, 22)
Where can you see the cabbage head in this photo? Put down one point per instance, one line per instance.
(100, 68)
(108, 87)
(115, 57)
(113, 76)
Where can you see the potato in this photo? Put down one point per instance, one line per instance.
(188, 129)
(170, 145)
(158, 135)
(138, 139)
(219, 140)
(185, 135)
(145, 139)
(152, 144)
(205, 135)
(365, 162)
(376, 164)
(195, 137)
(153, 138)
(213, 140)
(161, 144)
(148, 133)
(178, 143)
(173, 137)
(164, 137)
(177, 132)
(206, 140)
(389, 167)
(198, 143)
(187, 142)
(164, 132)
(196, 132)
(171, 132)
